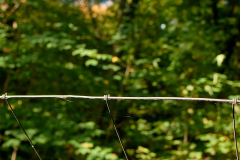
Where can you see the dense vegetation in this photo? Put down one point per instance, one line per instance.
(134, 48)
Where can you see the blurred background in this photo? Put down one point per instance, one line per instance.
(134, 48)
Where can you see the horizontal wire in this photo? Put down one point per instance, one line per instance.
(175, 98)
(52, 96)
(121, 98)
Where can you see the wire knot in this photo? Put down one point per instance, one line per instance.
(4, 96)
(235, 101)
(105, 97)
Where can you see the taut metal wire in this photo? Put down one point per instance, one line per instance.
(234, 129)
(23, 130)
(4, 96)
(114, 124)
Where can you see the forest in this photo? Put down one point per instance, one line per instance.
(131, 48)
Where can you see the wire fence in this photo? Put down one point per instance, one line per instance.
(5, 96)
(108, 97)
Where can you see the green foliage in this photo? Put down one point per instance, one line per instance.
(126, 48)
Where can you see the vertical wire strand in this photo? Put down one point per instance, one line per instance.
(234, 132)
(116, 128)
(23, 129)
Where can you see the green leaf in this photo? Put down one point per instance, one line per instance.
(11, 143)
(112, 67)
(87, 125)
(84, 52)
(91, 62)
(220, 58)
